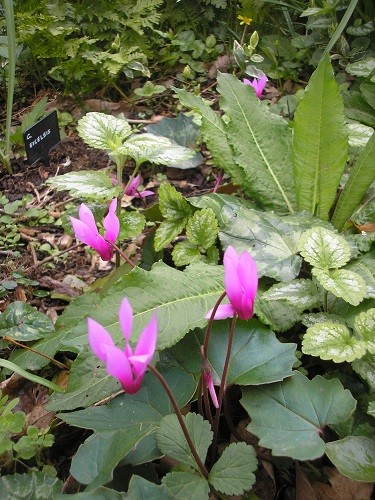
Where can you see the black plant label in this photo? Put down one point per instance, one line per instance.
(41, 138)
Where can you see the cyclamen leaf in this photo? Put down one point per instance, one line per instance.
(332, 341)
(21, 321)
(301, 408)
(202, 229)
(279, 315)
(36, 484)
(183, 485)
(364, 327)
(342, 283)
(172, 442)
(320, 144)
(324, 249)
(354, 457)
(86, 184)
(233, 474)
(103, 131)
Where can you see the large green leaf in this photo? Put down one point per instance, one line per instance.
(320, 145)
(121, 425)
(214, 134)
(360, 179)
(289, 416)
(86, 184)
(261, 143)
(271, 240)
(354, 457)
(257, 356)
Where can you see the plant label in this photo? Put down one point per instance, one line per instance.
(41, 138)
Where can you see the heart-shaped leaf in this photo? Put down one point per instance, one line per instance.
(289, 416)
(324, 249)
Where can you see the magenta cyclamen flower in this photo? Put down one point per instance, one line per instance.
(86, 231)
(207, 376)
(258, 84)
(126, 365)
(133, 187)
(241, 283)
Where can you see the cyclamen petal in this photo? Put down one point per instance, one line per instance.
(86, 231)
(210, 386)
(224, 311)
(258, 84)
(128, 367)
(133, 187)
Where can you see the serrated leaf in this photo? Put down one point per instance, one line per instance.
(202, 229)
(364, 327)
(332, 341)
(257, 356)
(354, 457)
(183, 485)
(289, 416)
(185, 253)
(121, 425)
(86, 184)
(348, 285)
(172, 442)
(271, 240)
(320, 144)
(172, 204)
(102, 131)
(312, 319)
(156, 149)
(20, 321)
(132, 224)
(360, 179)
(233, 474)
(261, 143)
(167, 232)
(301, 293)
(279, 315)
(324, 249)
(38, 485)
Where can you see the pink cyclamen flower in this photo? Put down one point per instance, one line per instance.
(258, 84)
(132, 189)
(207, 376)
(86, 231)
(126, 365)
(241, 283)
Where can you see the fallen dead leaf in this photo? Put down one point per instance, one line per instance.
(342, 488)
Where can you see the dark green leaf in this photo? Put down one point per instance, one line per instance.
(354, 457)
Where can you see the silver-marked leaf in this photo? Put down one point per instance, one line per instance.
(156, 149)
(132, 224)
(183, 485)
(348, 285)
(311, 319)
(354, 456)
(301, 293)
(365, 367)
(364, 327)
(364, 265)
(20, 321)
(38, 485)
(324, 249)
(102, 131)
(86, 184)
(332, 341)
(272, 240)
(363, 67)
(233, 474)
(279, 315)
(172, 442)
(289, 416)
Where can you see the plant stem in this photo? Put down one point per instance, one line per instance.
(177, 411)
(223, 385)
(120, 252)
(11, 41)
(210, 323)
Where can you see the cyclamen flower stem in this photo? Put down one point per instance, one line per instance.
(177, 411)
(223, 384)
(203, 387)
(210, 323)
(120, 252)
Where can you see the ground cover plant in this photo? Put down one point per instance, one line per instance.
(237, 345)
